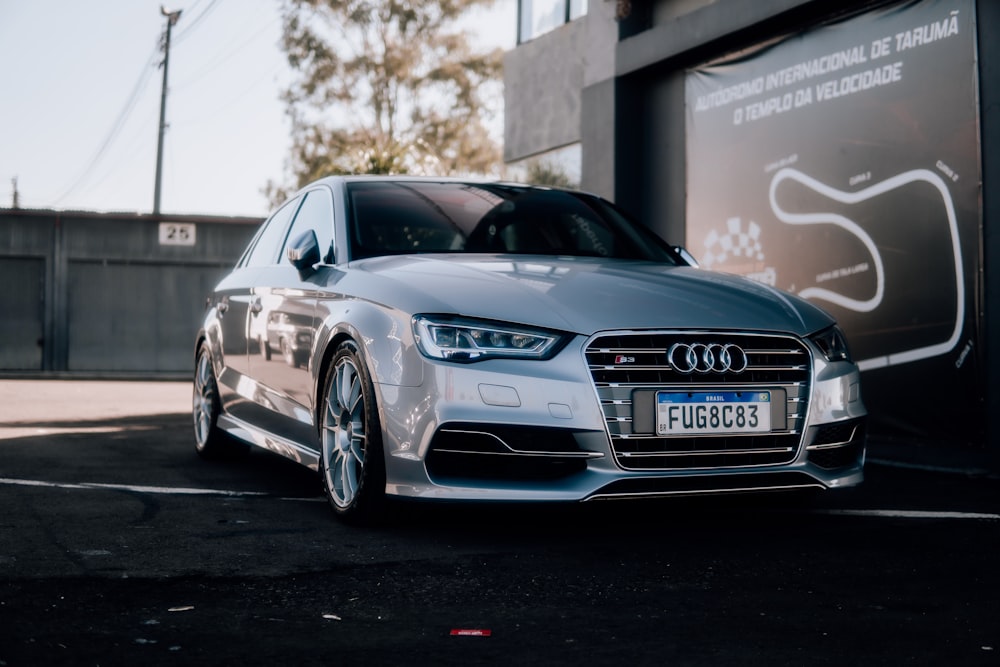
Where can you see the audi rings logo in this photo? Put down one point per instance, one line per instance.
(711, 358)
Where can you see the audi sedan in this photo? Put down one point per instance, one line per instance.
(456, 340)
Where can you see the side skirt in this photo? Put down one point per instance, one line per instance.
(269, 441)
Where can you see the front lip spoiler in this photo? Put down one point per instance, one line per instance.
(697, 485)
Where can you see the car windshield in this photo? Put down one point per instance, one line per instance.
(407, 217)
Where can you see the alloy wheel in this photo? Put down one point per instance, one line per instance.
(203, 400)
(344, 435)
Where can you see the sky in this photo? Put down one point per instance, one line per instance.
(80, 89)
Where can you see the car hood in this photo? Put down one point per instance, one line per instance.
(583, 295)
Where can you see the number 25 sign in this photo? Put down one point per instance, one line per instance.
(177, 233)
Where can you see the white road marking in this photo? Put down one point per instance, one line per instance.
(168, 490)
(12, 432)
(913, 514)
(182, 491)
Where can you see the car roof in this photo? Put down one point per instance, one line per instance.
(341, 180)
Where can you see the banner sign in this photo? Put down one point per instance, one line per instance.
(842, 164)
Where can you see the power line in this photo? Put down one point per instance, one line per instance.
(224, 56)
(119, 123)
(189, 28)
(144, 76)
(134, 146)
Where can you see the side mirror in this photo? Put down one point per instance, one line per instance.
(303, 251)
(683, 253)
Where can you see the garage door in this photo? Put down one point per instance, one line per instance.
(135, 317)
(22, 302)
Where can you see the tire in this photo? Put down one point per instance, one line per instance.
(352, 463)
(265, 348)
(209, 440)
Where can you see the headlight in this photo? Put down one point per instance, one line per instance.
(460, 339)
(833, 344)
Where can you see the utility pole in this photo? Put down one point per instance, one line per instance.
(171, 20)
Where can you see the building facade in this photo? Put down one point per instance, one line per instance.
(109, 295)
(842, 151)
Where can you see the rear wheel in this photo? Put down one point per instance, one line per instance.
(209, 440)
(351, 463)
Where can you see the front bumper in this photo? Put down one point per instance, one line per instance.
(557, 430)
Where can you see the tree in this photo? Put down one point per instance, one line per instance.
(543, 172)
(386, 86)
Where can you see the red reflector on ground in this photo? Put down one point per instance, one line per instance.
(470, 632)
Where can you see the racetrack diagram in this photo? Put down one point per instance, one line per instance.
(865, 200)
(870, 302)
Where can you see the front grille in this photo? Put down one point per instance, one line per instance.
(628, 370)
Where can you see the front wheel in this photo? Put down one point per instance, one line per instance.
(351, 463)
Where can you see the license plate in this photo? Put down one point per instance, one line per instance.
(713, 412)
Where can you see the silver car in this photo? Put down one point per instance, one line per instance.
(457, 340)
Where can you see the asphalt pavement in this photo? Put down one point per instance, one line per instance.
(119, 546)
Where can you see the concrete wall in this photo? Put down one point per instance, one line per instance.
(544, 83)
(87, 293)
(543, 80)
